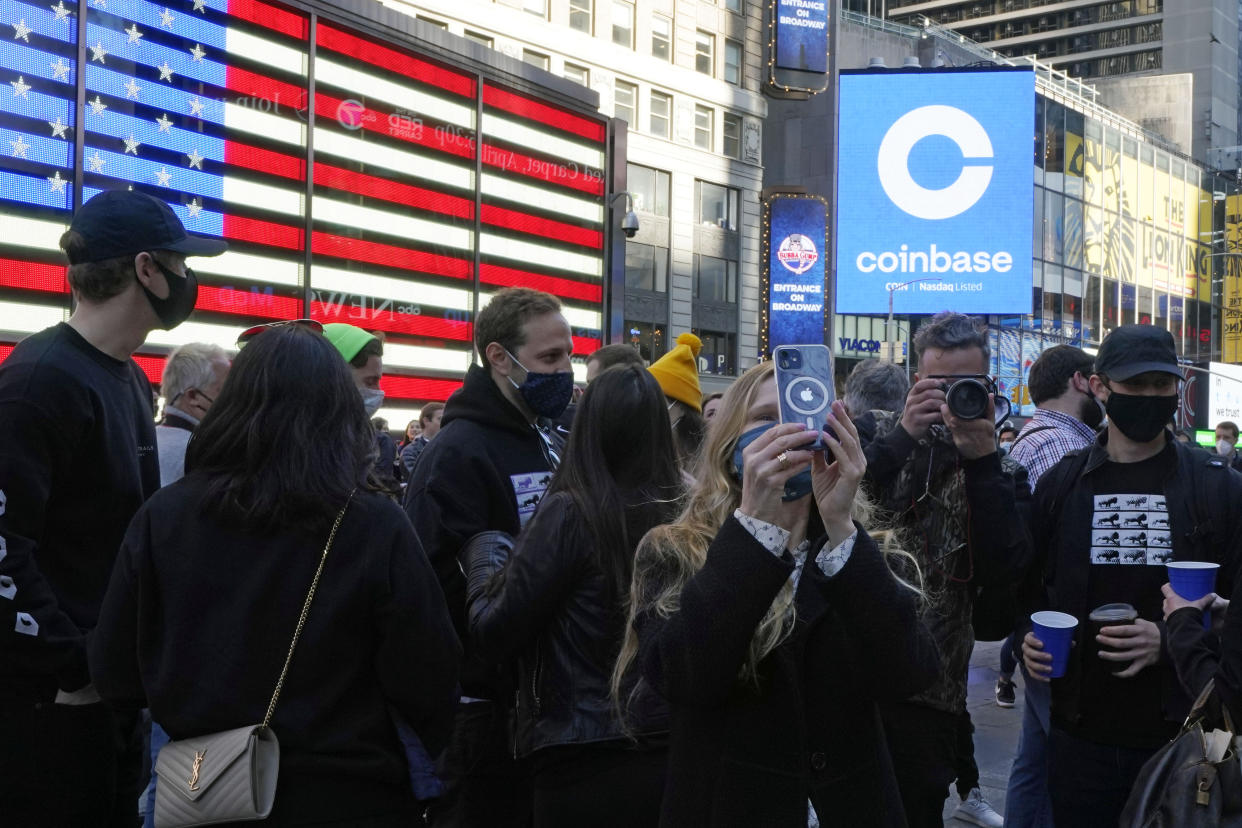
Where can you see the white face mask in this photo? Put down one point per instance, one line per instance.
(1224, 447)
(372, 399)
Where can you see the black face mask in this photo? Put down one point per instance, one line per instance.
(182, 296)
(1140, 418)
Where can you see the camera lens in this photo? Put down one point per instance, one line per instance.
(968, 399)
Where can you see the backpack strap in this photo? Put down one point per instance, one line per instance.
(1026, 434)
(1210, 505)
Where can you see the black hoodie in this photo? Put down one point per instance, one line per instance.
(486, 470)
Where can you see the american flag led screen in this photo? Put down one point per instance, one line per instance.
(205, 104)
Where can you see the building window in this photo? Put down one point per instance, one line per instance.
(715, 280)
(648, 338)
(732, 129)
(734, 5)
(661, 115)
(733, 62)
(718, 355)
(705, 53)
(703, 118)
(580, 15)
(479, 38)
(539, 7)
(661, 37)
(431, 21)
(537, 59)
(625, 102)
(623, 23)
(717, 205)
(646, 267)
(578, 74)
(649, 189)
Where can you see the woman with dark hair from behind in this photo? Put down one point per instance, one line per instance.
(560, 605)
(211, 579)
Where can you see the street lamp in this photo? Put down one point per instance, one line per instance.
(888, 326)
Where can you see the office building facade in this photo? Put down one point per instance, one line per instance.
(1094, 39)
(685, 75)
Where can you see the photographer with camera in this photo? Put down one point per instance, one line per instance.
(962, 508)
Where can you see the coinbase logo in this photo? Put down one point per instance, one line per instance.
(893, 162)
(934, 191)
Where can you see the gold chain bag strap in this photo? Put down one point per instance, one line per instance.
(228, 776)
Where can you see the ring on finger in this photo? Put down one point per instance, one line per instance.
(783, 459)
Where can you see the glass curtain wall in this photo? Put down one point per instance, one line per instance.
(1124, 232)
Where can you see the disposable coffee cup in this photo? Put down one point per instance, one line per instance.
(1110, 615)
(1056, 631)
(1192, 580)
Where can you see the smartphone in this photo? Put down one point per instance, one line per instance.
(804, 385)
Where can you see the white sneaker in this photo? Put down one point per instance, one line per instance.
(976, 810)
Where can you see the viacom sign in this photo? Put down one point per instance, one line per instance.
(934, 184)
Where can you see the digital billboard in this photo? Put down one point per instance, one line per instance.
(795, 273)
(397, 196)
(1224, 393)
(934, 185)
(802, 35)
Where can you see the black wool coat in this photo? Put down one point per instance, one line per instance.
(748, 754)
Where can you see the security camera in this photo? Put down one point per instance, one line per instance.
(629, 225)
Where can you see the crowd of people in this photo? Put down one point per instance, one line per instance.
(624, 604)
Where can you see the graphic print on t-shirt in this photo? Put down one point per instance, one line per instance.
(1131, 529)
(529, 490)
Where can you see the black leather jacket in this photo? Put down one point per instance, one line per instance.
(550, 606)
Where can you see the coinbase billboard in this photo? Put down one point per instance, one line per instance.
(935, 183)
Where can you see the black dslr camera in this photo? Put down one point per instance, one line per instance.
(967, 395)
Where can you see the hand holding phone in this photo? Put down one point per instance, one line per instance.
(805, 387)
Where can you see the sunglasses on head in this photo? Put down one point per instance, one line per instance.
(251, 333)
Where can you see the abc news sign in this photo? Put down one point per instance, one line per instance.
(935, 182)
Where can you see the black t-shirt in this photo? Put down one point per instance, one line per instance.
(1131, 542)
(77, 459)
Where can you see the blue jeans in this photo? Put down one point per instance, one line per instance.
(158, 739)
(1008, 661)
(1027, 804)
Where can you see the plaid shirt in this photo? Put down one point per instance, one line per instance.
(1042, 450)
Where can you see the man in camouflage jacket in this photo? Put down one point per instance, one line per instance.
(962, 512)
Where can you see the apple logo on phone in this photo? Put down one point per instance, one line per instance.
(806, 396)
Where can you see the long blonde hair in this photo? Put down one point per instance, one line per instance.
(669, 556)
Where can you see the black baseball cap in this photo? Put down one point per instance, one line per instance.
(118, 223)
(1136, 349)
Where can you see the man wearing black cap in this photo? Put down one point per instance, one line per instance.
(77, 459)
(1107, 519)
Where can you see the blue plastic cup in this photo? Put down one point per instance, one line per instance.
(1192, 580)
(1056, 631)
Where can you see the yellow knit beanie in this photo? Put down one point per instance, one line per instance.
(678, 371)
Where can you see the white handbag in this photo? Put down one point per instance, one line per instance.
(228, 776)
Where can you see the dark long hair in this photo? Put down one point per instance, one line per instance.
(287, 438)
(620, 468)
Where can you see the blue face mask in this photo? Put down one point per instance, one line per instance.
(547, 395)
(796, 487)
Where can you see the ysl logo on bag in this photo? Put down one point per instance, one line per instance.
(198, 763)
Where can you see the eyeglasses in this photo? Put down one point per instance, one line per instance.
(251, 333)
